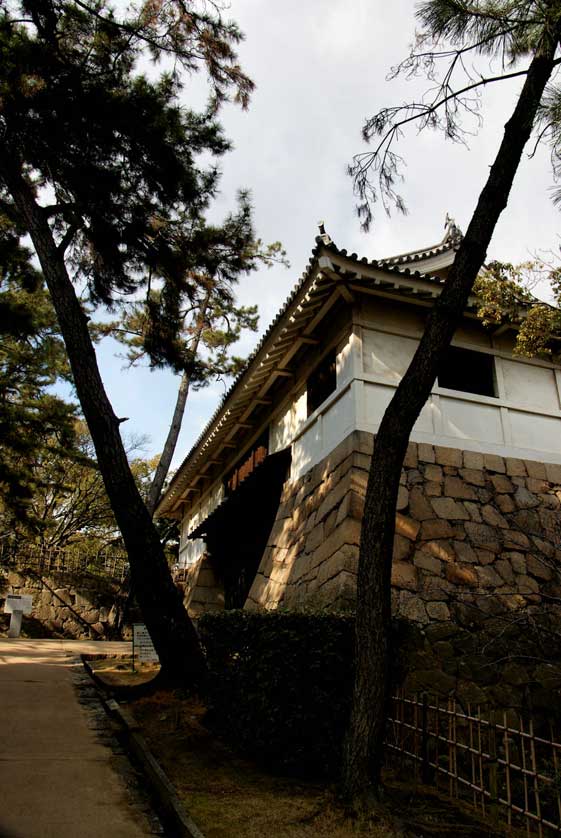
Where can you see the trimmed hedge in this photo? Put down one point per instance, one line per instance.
(279, 685)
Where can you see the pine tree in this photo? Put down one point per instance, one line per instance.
(99, 163)
(34, 423)
(209, 323)
(454, 32)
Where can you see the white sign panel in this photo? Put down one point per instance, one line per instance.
(142, 644)
(18, 602)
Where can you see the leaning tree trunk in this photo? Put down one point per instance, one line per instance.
(164, 463)
(171, 630)
(166, 457)
(364, 744)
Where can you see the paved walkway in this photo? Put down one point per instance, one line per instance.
(59, 776)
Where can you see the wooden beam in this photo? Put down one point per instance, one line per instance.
(346, 294)
(321, 313)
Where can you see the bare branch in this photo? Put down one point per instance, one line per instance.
(387, 123)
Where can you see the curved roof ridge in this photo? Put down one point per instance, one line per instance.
(451, 241)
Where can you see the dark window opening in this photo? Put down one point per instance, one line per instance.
(322, 382)
(468, 371)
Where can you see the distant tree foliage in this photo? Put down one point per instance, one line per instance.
(68, 506)
(34, 423)
(210, 323)
(504, 293)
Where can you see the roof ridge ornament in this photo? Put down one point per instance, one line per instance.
(325, 237)
(452, 229)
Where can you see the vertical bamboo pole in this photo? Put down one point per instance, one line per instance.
(535, 777)
(507, 769)
(416, 738)
(524, 775)
(437, 740)
(480, 751)
(493, 773)
(425, 765)
(472, 754)
(556, 770)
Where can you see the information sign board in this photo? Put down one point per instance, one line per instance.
(18, 602)
(142, 646)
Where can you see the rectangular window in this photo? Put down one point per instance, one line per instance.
(248, 464)
(322, 382)
(468, 371)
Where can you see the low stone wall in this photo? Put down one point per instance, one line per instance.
(472, 530)
(70, 604)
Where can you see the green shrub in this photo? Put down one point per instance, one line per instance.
(279, 685)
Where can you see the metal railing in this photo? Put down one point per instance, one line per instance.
(508, 767)
(43, 559)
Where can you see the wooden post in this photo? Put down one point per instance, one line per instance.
(493, 771)
(425, 765)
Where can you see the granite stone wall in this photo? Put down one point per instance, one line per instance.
(70, 605)
(506, 661)
(472, 530)
(201, 588)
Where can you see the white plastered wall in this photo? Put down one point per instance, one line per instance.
(524, 420)
(313, 437)
(190, 550)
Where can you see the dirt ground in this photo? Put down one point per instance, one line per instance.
(228, 796)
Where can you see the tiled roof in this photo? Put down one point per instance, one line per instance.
(450, 242)
(346, 266)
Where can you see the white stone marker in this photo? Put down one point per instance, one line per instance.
(17, 605)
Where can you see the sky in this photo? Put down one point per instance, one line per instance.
(320, 68)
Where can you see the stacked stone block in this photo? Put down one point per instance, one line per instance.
(312, 554)
(202, 590)
(471, 528)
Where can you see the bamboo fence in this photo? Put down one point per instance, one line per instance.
(507, 766)
(43, 559)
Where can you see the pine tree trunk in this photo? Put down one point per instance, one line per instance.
(177, 420)
(364, 744)
(171, 630)
(164, 463)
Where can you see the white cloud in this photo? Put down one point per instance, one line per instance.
(320, 69)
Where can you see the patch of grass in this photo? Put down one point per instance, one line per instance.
(118, 671)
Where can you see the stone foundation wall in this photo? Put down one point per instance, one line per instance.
(69, 605)
(506, 662)
(202, 590)
(472, 531)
